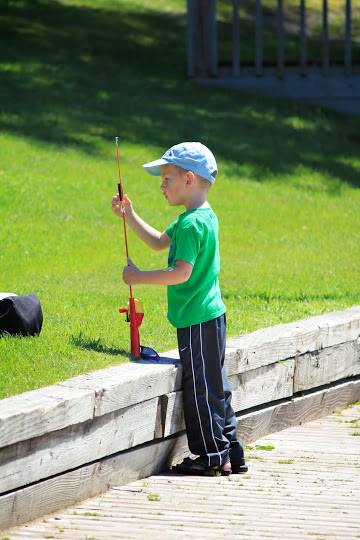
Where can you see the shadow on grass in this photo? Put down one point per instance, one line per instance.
(78, 75)
(91, 344)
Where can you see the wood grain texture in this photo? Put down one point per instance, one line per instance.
(40, 411)
(327, 365)
(60, 451)
(282, 341)
(262, 385)
(117, 387)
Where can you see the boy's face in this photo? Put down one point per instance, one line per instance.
(174, 184)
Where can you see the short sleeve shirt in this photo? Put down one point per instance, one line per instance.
(194, 239)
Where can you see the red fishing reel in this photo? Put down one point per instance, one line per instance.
(135, 315)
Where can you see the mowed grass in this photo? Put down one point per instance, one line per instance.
(76, 74)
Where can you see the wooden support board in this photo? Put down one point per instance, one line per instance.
(28, 461)
(82, 398)
(327, 365)
(282, 341)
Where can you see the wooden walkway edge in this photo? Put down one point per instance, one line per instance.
(303, 483)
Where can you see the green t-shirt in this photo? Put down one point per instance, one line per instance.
(194, 239)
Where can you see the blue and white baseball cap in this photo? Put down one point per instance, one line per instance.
(191, 156)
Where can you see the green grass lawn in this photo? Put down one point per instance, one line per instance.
(76, 73)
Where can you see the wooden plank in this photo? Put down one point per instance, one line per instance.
(327, 365)
(190, 38)
(60, 491)
(63, 490)
(78, 399)
(235, 38)
(262, 385)
(212, 37)
(59, 451)
(40, 411)
(348, 44)
(282, 341)
(173, 418)
(303, 38)
(280, 39)
(119, 386)
(254, 425)
(258, 39)
(325, 38)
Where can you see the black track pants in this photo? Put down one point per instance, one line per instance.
(209, 418)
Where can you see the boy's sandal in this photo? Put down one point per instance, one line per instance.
(199, 467)
(239, 469)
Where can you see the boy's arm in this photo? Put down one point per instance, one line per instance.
(155, 239)
(168, 276)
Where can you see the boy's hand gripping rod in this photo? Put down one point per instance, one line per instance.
(134, 311)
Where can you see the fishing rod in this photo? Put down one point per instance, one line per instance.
(134, 310)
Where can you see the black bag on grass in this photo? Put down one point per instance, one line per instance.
(21, 315)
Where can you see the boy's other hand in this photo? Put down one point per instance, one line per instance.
(130, 273)
(122, 207)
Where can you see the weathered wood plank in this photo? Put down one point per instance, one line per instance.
(327, 365)
(59, 451)
(173, 417)
(235, 38)
(258, 38)
(63, 490)
(348, 40)
(60, 491)
(325, 38)
(40, 411)
(303, 38)
(190, 38)
(117, 387)
(296, 411)
(282, 341)
(78, 399)
(280, 39)
(262, 385)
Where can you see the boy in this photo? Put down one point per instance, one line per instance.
(195, 307)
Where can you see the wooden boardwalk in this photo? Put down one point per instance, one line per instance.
(303, 483)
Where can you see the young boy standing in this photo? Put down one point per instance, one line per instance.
(195, 307)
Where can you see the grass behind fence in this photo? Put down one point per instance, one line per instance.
(74, 75)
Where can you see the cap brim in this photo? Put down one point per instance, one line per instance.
(153, 167)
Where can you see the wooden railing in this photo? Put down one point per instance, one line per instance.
(202, 46)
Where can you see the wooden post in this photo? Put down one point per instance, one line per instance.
(280, 39)
(303, 43)
(212, 36)
(325, 38)
(236, 39)
(201, 38)
(258, 40)
(347, 44)
(190, 38)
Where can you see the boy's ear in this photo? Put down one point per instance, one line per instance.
(190, 178)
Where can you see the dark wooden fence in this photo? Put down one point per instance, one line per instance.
(202, 39)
